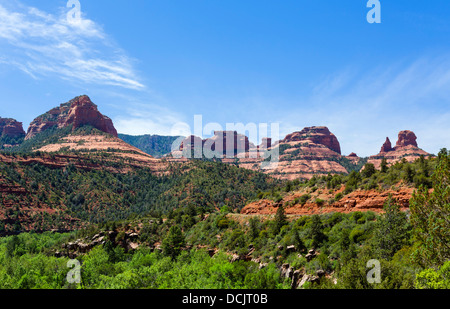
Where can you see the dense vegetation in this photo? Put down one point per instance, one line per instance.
(96, 196)
(191, 236)
(411, 174)
(155, 145)
(344, 244)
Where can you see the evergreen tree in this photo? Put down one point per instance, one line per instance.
(391, 232)
(384, 165)
(280, 219)
(315, 232)
(174, 242)
(430, 216)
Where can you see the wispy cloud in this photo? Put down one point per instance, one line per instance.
(42, 44)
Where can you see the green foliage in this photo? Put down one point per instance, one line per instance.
(98, 196)
(368, 170)
(391, 231)
(434, 279)
(195, 208)
(280, 219)
(430, 213)
(174, 242)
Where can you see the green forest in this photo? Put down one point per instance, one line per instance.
(185, 232)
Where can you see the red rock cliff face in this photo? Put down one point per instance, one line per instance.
(77, 112)
(316, 135)
(11, 128)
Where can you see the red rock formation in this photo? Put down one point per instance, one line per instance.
(11, 128)
(387, 146)
(406, 138)
(353, 155)
(238, 143)
(316, 135)
(77, 112)
(359, 200)
(406, 148)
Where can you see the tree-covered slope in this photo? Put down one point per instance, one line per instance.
(154, 145)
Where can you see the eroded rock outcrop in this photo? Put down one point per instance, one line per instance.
(405, 148)
(78, 112)
(387, 146)
(302, 154)
(11, 128)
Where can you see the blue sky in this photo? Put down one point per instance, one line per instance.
(152, 65)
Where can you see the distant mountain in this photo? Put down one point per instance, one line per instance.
(77, 113)
(154, 145)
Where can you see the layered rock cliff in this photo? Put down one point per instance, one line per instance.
(78, 112)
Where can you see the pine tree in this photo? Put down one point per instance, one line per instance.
(174, 242)
(280, 219)
(430, 216)
(391, 232)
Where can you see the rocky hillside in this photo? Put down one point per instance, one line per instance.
(301, 155)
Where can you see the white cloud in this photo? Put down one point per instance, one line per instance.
(42, 44)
